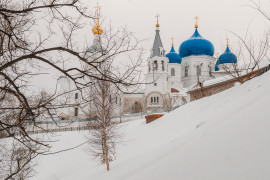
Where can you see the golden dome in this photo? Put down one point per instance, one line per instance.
(97, 29)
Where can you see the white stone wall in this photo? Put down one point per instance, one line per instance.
(205, 62)
(176, 81)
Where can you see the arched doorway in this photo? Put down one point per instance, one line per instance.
(136, 107)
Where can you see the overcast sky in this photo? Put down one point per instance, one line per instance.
(216, 19)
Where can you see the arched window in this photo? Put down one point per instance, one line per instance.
(172, 72)
(157, 100)
(199, 70)
(162, 66)
(152, 101)
(186, 71)
(155, 66)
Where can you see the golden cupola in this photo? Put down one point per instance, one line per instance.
(97, 29)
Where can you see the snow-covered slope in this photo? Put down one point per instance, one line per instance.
(222, 137)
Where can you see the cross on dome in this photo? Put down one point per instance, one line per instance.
(217, 55)
(157, 16)
(227, 42)
(196, 25)
(97, 29)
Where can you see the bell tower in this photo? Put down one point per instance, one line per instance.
(157, 77)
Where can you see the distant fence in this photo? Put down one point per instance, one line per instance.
(64, 129)
(88, 126)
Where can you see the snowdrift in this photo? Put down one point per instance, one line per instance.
(222, 137)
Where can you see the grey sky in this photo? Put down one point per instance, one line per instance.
(216, 19)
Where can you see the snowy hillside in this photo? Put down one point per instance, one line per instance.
(222, 137)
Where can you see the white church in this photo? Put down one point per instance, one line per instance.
(168, 78)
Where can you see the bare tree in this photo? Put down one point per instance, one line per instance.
(105, 135)
(250, 54)
(36, 36)
(250, 51)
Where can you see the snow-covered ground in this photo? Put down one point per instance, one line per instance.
(222, 137)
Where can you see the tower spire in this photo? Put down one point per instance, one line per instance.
(196, 25)
(172, 40)
(157, 49)
(227, 42)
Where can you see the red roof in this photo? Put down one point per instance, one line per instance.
(174, 90)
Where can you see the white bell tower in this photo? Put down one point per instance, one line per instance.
(157, 77)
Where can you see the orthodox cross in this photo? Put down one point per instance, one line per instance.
(97, 8)
(196, 25)
(172, 40)
(157, 16)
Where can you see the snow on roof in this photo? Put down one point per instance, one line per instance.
(244, 71)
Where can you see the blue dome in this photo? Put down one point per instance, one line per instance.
(227, 57)
(196, 45)
(174, 57)
(216, 66)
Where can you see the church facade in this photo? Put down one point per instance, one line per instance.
(170, 76)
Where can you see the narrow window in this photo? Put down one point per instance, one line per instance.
(155, 66)
(115, 100)
(152, 100)
(172, 72)
(162, 65)
(76, 111)
(155, 84)
(157, 99)
(186, 71)
(210, 71)
(76, 95)
(198, 70)
(149, 68)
